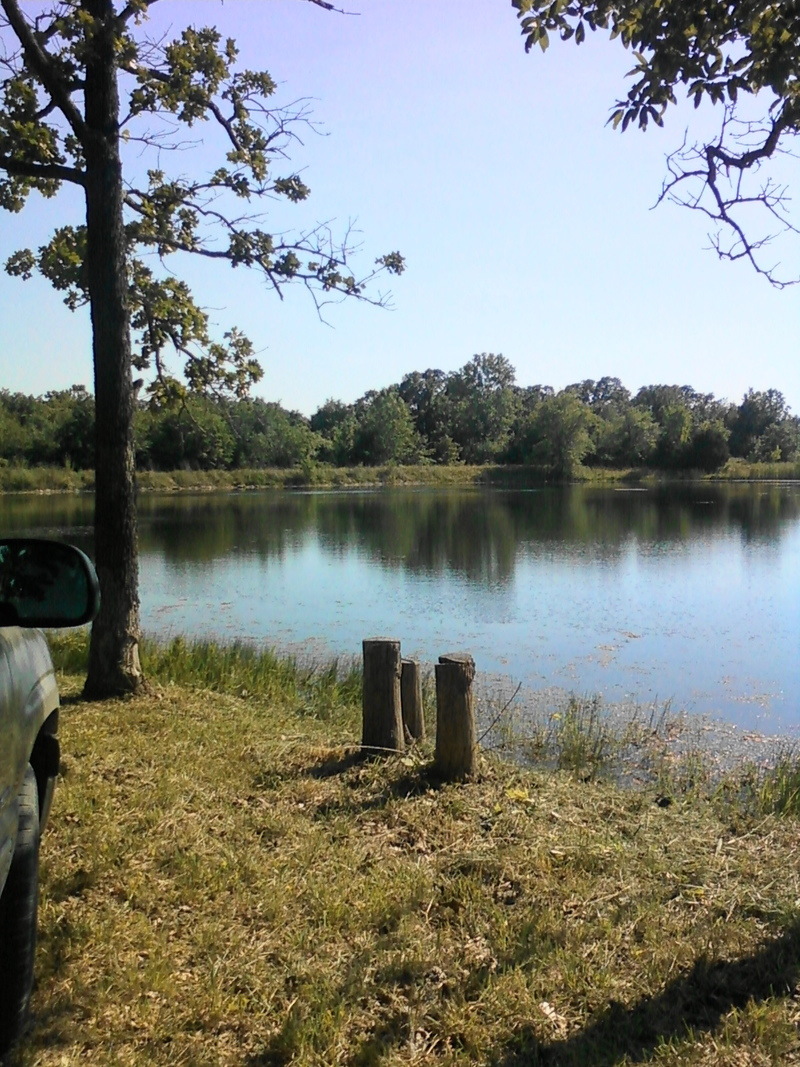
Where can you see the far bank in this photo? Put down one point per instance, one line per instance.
(16, 479)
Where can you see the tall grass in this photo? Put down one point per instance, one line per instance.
(44, 480)
(582, 736)
(576, 738)
(742, 470)
(319, 690)
(770, 790)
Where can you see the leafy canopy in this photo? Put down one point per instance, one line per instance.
(173, 93)
(728, 53)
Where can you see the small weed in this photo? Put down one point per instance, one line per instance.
(575, 738)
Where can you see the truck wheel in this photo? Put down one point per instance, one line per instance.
(18, 905)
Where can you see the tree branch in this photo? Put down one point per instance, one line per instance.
(42, 67)
(131, 10)
(331, 7)
(710, 166)
(162, 76)
(45, 171)
(755, 155)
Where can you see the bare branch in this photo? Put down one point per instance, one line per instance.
(749, 159)
(700, 177)
(326, 260)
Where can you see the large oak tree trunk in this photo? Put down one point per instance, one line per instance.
(113, 655)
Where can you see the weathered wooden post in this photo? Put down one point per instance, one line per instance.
(382, 718)
(456, 744)
(411, 700)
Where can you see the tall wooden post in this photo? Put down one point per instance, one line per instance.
(411, 699)
(382, 718)
(456, 740)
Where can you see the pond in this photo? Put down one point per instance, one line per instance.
(688, 593)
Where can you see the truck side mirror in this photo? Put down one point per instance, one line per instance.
(46, 583)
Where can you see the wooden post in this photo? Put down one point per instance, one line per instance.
(382, 718)
(411, 700)
(456, 744)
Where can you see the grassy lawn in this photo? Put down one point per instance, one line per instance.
(225, 882)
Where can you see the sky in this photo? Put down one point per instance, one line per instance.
(526, 222)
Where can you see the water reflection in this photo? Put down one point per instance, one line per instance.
(477, 534)
(683, 592)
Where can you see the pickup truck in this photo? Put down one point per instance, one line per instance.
(42, 584)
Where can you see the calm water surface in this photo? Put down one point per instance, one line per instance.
(689, 594)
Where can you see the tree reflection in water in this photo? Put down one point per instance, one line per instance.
(684, 591)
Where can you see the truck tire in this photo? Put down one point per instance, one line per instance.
(18, 907)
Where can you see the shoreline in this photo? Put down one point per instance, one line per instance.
(52, 481)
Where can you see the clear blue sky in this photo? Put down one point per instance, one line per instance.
(525, 221)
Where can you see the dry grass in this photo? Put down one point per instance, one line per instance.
(225, 882)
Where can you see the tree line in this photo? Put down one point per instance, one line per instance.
(474, 415)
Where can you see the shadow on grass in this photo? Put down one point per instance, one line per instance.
(695, 1001)
(71, 700)
(332, 766)
(375, 791)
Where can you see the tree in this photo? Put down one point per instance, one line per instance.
(337, 424)
(425, 395)
(81, 80)
(627, 438)
(385, 432)
(558, 433)
(762, 427)
(193, 436)
(269, 436)
(74, 432)
(726, 53)
(708, 449)
(480, 404)
(13, 435)
(676, 433)
(603, 396)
